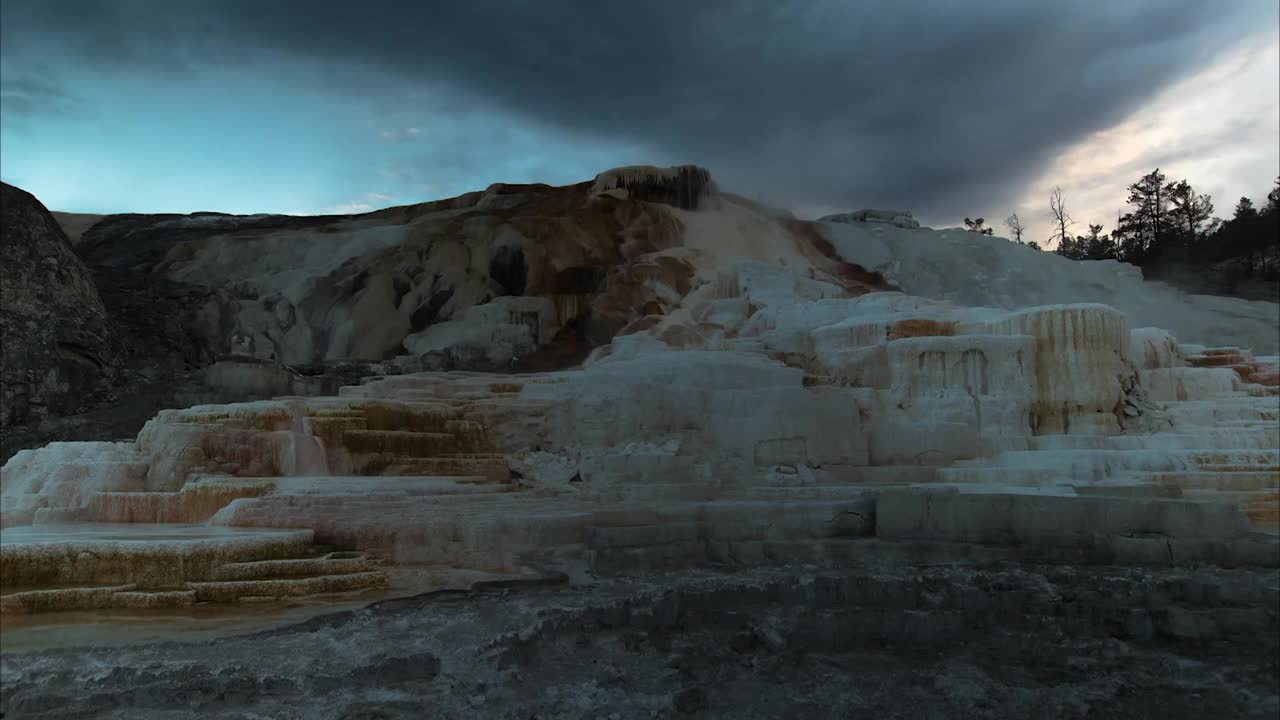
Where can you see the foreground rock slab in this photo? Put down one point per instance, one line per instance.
(967, 641)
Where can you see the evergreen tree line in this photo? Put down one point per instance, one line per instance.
(1169, 224)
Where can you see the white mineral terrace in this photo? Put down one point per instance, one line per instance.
(130, 533)
(766, 417)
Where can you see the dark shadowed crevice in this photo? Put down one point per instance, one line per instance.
(79, 354)
(579, 280)
(429, 311)
(508, 269)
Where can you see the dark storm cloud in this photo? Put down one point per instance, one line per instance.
(25, 97)
(939, 106)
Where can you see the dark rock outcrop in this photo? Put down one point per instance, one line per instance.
(687, 187)
(306, 290)
(59, 351)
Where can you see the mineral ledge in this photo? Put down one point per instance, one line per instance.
(782, 392)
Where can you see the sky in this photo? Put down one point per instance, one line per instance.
(946, 108)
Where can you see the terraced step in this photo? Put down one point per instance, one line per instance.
(1238, 497)
(196, 502)
(92, 598)
(1204, 479)
(1263, 511)
(130, 597)
(1100, 465)
(330, 428)
(233, 590)
(114, 467)
(151, 566)
(149, 555)
(454, 396)
(1196, 414)
(400, 443)
(491, 466)
(1233, 468)
(393, 485)
(1215, 358)
(1003, 516)
(338, 563)
(1129, 490)
(997, 475)
(1255, 437)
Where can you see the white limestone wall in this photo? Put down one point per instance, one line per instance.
(1081, 365)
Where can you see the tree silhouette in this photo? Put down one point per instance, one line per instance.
(976, 226)
(1242, 235)
(1169, 227)
(1096, 245)
(1058, 209)
(1189, 212)
(1144, 229)
(1014, 223)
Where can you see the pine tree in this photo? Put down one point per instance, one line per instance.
(1144, 230)
(1240, 235)
(1189, 213)
(1098, 245)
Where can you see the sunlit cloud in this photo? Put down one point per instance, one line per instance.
(1217, 129)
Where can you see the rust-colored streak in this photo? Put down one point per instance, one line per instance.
(920, 327)
(1264, 512)
(1218, 360)
(814, 246)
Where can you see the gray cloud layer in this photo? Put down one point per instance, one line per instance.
(940, 106)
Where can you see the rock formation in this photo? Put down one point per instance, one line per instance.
(750, 389)
(584, 261)
(687, 187)
(158, 331)
(523, 278)
(588, 260)
(59, 351)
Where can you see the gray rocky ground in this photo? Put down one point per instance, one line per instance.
(1000, 641)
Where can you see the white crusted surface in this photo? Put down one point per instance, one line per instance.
(760, 404)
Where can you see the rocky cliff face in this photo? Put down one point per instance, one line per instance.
(59, 351)
(516, 276)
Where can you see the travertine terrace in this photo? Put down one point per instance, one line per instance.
(771, 395)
